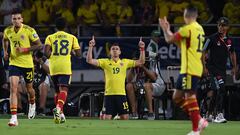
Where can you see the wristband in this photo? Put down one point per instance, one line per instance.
(141, 49)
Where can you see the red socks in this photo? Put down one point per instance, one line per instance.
(194, 112)
(62, 96)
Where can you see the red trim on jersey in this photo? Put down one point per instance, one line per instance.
(177, 36)
(188, 40)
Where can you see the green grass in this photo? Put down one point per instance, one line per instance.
(76, 126)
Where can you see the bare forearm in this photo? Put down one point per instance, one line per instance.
(169, 37)
(234, 60)
(142, 56)
(36, 45)
(5, 45)
(89, 55)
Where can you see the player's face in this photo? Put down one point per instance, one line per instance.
(17, 20)
(223, 28)
(115, 51)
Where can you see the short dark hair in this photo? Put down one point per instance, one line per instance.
(60, 23)
(114, 44)
(16, 11)
(192, 11)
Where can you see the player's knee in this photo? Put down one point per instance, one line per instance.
(148, 86)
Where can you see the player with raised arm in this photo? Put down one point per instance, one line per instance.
(22, 40)
(190, 38)
(58, 48)
(115, 70)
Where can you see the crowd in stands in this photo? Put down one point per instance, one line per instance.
(115, 12)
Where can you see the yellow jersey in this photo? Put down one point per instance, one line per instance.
(115, 75)
(61, 44)
(22, 38)
(191, 38)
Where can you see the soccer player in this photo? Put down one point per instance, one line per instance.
(190, 38)
(58, 48)
(22, 40)
(115, 69)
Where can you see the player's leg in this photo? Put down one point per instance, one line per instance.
(221, 92)
(63, 82)
(28, 77)
(122, 107)
(178, 95)
(14, 74)
(43, 90)
(132, 100)
(198, 123)
(148, 95)
(110, 107)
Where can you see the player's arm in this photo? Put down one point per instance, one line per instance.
(90, 59)
(168, 35)
(141, 59)
(233, 58)
(150, 74)
(35, 43)
(47, 50)
(76, 48)
(5, 43)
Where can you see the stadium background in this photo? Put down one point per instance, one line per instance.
(126, 33)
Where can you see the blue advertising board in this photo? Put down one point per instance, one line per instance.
(168, 54)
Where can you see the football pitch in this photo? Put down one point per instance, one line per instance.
(76, 126)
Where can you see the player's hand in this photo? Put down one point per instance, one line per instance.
(92, 42)
(20, 50)
(141, 44)
(164, 24)
(5, 56)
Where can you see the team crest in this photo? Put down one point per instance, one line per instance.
(22, 37)
(121, 64)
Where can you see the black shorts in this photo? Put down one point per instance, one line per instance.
(217, 82)
(187, 82)
(116, 104)
(61, 81)
(27, 73)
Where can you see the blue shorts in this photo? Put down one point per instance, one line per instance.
(187, 82)
(27, 73)
(116, 104)
(61, 81)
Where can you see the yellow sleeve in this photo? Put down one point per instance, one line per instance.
(75, 43)
(33, 35)
(184, 32)
(5, 34)
(102, 62)
(130, 63)
(48, 41)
